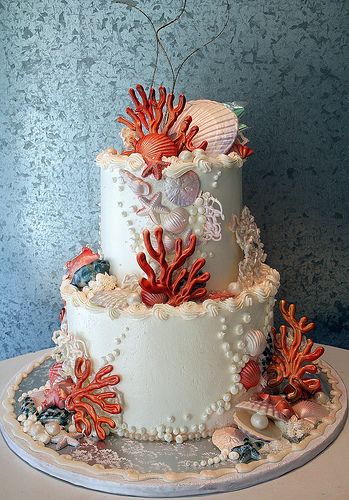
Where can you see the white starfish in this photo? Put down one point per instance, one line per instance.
(64, 439)
(152, 208)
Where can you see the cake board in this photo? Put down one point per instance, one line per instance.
(170, 481)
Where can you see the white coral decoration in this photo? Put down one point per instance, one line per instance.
(102, 283)
(128, 137)
(67, 351)
(213, 214)
(248, 239)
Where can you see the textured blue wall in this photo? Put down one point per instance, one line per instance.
(65, 69)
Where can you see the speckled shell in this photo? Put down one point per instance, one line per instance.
(242, 419)
(217, 124)
(150, 299)
(182, 191)
(176, 221)
(305, 409)
(250, 374)
(227, 438)
(255, 342)
(111, 299)
(263, 407)
(155, 146)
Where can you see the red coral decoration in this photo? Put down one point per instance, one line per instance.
(81, 397)
(242, 151)
(156, 143)
(290, 362)
(180, 286)
(85, 257)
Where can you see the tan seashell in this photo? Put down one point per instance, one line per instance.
(182, 191)
(217, 124)
(227, 438)
(242, 419)
(263, 407)
(176, 221)
(255, 342)
(306, 409)
(114, 299)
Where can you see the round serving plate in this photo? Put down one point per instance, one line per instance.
(154, 469)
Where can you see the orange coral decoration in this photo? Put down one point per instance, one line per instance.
(186, 284)
(156, 143)
(290, 362)
(81, 397)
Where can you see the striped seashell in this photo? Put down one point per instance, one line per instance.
(255, 342)
(306, 409)
(114, 299)
(261, 406)
(150, 299)
(168, 241)
(182, 191)
(217, 124)
(250, 375)
(136, 184)
(154, 146)
(227, 438)
(55, 373)
(176, 221)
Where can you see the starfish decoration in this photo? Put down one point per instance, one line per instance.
(64, 439)
(248, 452)
(154, 167)
(152, 208)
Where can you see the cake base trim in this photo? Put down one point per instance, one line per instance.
(38, 455)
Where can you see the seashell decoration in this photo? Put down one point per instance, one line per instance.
(227, 438)
(136, 184)
(250, 374)
(306, 409)
(176, 221)
(263, 407)
(155, 146)
(242, 419)
(168, 241)
(114, 299)
(150, 299)
(218, 125)
(255, 342)
(182, 191)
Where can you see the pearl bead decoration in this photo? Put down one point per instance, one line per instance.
(259, 421)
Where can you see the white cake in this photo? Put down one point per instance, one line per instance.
(183, 367)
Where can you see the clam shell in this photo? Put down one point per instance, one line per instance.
(217, 124)
(155, 146)
(306, 409)
(227, 438)
(242, 420)
(261, 406)
(176, 221)
(136, 184)
(255, 342)
(114, 299)
(150, 299)
(250, 375)
(182, 191)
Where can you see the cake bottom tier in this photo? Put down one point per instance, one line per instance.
(182, 369)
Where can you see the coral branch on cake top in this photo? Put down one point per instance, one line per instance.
(151, 127)
(293, 357)
(174, 283)
(87, 394)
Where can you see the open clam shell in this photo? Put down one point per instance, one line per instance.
(227, 438)
(242, 419)
(261, 406)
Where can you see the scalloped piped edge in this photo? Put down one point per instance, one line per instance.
(12, 428)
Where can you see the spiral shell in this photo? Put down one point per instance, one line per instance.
(255, 342)
(182, 191)
(176, 221)
(150, 299)
(136, 184)
(217, 124)
(227, 438)
(154, 146)
(306, 409)
(250, 374)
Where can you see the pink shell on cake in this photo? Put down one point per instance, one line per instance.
(227, 438)
(261, 406)
(136, 184)
(255, 342)
(306, 409)
(250, 375)
(217, 124)
(150, 299)
(176, 221)
(182, 191)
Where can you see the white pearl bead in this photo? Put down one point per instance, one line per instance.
(234, 287)
(233, 455)
(198, 202)
(133, 298)
(259, 421)
(53, 428)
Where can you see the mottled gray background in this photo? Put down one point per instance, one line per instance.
(65, 69)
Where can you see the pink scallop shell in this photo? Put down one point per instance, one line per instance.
(306, 409)
(150, 299)
(182, 191)
(250, 374)
(261, 406)
(217, 124)
(176, 221)
(227, 438)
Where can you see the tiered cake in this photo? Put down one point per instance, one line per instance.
(178, 300)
